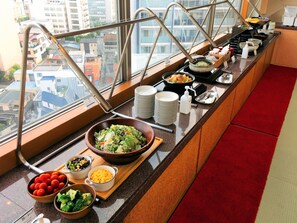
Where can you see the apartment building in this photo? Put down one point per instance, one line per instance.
(92, 68)
(78, 14)
(55, 11)
(10, 50)
(97, 11)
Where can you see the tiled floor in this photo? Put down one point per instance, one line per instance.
(279, 200)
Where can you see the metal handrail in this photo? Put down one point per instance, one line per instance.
(223, 19)
(162, 26)
(254, 8)
(187, 54)
(202, 24)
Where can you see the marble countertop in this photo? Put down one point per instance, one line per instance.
(15, 202)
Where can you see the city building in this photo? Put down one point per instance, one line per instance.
(55, 11)
(78, 14)
(90, 45)
(37, 46)
(10, 50)
(78, 57)
(97, 12)
(92, 68)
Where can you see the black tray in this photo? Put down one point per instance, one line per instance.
(209, 77)
(198, 87)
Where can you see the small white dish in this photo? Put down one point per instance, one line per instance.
(207, 97)
(102, 186)
(78, 174)
(225, 78)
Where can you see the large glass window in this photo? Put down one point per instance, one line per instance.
(52, 87)
(180, 25)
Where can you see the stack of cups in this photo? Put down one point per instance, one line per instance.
(144, 101)
(166, 107)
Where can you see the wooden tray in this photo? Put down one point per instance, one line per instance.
(123, 170)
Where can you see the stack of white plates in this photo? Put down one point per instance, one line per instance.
(166, 107)
(144, 101)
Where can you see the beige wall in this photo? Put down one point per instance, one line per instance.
(285, 49)
(275, 8)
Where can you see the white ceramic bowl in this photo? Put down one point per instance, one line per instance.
(79, 174)
(104, 186)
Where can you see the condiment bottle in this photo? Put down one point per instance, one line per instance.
(185, 102)
(245, 51)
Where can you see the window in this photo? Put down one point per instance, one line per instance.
(50, 63)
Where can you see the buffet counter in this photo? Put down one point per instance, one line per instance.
(154, 189)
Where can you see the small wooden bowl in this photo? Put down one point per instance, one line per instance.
(46, 198)
(83, 188)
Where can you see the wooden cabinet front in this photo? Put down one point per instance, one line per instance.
(213, 129)
(161, 199)
(242, 92)
(259, 69)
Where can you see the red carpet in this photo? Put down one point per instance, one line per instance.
(266, 107)
(229, 187)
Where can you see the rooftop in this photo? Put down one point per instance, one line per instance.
(53, 99)
(47, 67)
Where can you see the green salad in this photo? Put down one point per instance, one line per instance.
(119, 139)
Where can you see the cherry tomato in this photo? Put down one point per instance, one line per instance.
(49, 190)
(47, 175)
(37, 186)
(37, 180)
(43, 177)
(55, 183)
(61, 185)
(48, 181)
(41, 192)
(55, 173)
(43, 186)
(32, 186)
(62, 178)
(35, 192)
(56, 190)
(54, 177)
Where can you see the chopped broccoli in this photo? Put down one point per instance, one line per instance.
(87, 198)
(71, 193)
(67, 207)
(79, 204)
(74, 200)
(63, 198)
